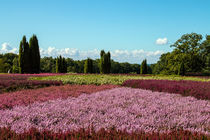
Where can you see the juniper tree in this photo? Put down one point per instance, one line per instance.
(22, 56)
(143, 69)
(34, 54)
(102, 66)
(88, 67)
(105, 62)
(61, 65)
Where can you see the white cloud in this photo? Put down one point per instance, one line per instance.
(6, 48)
(162, 41)
(134, 56)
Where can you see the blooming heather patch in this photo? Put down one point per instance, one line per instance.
(111, 134)
(122, 108)
(13, 82)
(25, 97)
(199, 90)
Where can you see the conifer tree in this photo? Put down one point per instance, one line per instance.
(102, 66)
(108, 62)
(57, 65)
(22, 55)
(88, 67)
(34, 54)
(61, 65)
(144, 67)
(29, 56)
(105, 62)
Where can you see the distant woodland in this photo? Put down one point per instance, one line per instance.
(190, 56)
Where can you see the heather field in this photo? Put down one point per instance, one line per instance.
(78, 106)
(117, 79)
(199, 90)
(14, 82)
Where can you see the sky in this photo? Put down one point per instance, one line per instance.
(132, 30)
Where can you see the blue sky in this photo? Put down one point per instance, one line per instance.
(81, 28)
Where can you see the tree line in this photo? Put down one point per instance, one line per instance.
(191, 55)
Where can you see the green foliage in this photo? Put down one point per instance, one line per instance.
(1, 66)
(34, 55)
(188, 43)
(105, 62)
(109, 79)
(48, 65)
(205, 51)
(206, 69)
(15, 68)
(21, 54)
(188, 48)
(61, 65)
(88, 67)
(181, 69)
(187, 51)
(7, 62)
(144, 67)
(29, 55)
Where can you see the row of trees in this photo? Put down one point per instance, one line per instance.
(102, 65)
(29, 56)
(9, 62)
(48, 65)
(191, 54)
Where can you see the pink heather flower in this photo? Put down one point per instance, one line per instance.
(122, 108)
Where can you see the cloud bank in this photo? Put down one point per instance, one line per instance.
(162, 41)
(133, 56)
(6, 48)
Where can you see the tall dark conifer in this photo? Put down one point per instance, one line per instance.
(34, 54)
(143, 69)
(105, 62)
(23, 60)
(88, 67)
(61, 65)
(102, 66)
(20, 58)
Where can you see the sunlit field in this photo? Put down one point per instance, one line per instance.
(93, 106)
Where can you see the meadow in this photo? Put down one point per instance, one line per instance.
(94, 106)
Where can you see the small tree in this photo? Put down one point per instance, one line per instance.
(143, 69)
(88, 67)
(181, 69)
